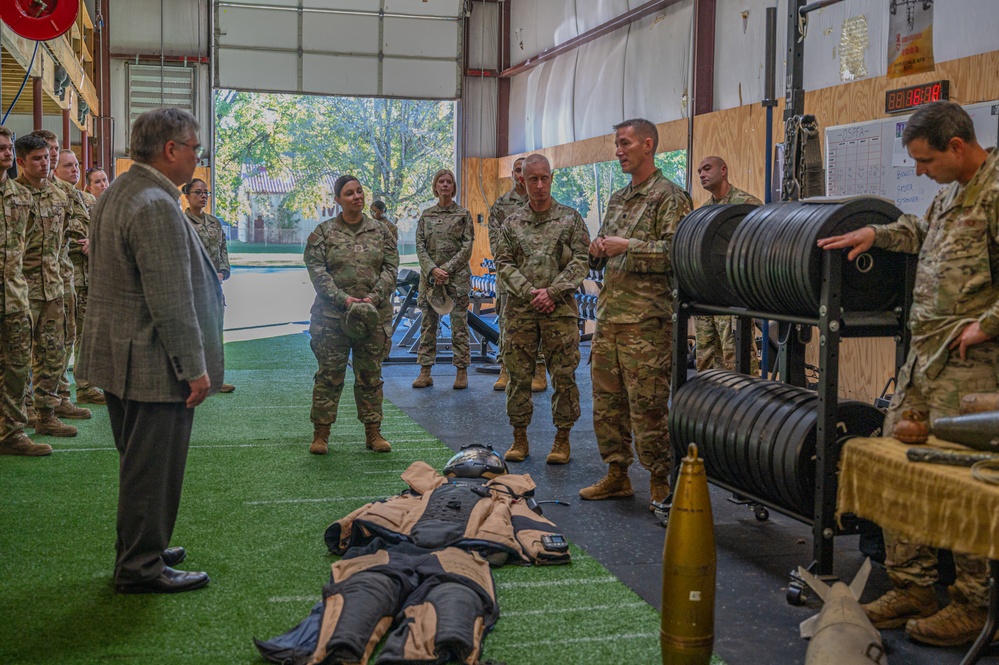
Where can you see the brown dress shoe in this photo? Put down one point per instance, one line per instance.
(899, 605)
(227, 388)
(954, 625)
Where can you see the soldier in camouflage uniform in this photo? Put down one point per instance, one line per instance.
(631, 351)
(378, 213)
(444, 237)
(541, 259)
(85, 392)
(715, 335)
(49, 228)
(955, 349)
(209, 230)
(65, 176)
(498, 213)
(15, 315)
(351, 259)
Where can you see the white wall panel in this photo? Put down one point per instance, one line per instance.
(421, 37)
(136, 27)
(425, 79)
(555, 97)
(424, 8)
(479, 116)
(521, 113)
(657, 65)
(822, 42)
(258, 28)
(340, 33)
(483, 35)
(321, 73)
(740, 51)
(536, 25)
(592, 13)
(964, 28)
(598, 98)
(258, 70)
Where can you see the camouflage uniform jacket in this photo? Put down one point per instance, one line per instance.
(79, 221)
(89, 201)
(957, 276)
(444, 239)
(735, 195)
(637, 284)
(390, 225)
(358, 260)
(209, 229)
(500, 210)
(17, 205)
(52, 223)
(542, 250)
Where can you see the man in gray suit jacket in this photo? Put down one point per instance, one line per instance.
(153, 341)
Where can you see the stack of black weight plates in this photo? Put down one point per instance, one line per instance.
(774, 265)
(759, 436)
(700, 246)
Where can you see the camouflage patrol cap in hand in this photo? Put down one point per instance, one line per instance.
(361, 320)
(440, 300)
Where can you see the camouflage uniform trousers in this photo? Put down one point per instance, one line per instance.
(715, 336)
(48, 352)
(461, 351)
(332, 348)
(15, 359)
(559, 339)
(914, 563)
(79, 283)
(69, 335)
(630, 365)
(501, 322)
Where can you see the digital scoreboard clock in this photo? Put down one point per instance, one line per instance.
(907, 99)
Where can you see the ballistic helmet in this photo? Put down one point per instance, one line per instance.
(476, 460)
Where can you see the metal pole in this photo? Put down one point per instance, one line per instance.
(769, 102)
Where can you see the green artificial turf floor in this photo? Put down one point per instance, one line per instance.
(254, 510)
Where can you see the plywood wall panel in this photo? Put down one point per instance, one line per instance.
(480, 188)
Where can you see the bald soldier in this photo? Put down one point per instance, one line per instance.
(541, 259)
(630, 355)
(715, 335)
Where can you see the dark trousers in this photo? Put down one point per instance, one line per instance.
(152, 440)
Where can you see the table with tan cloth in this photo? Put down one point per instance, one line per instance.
(939, 505)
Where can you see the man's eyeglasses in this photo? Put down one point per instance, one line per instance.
(199, 192)
(198, 149)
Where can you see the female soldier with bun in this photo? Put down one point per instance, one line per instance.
(444, 237)
(353, 262)
(209, 230)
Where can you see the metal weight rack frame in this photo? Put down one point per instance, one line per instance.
(834, 323)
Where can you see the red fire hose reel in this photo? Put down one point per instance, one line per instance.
(40, 20)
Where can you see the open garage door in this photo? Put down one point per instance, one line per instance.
(361, 48)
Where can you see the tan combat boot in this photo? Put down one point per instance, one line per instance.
(320, 439)
(29, 413)
(424, 379)
(615, 484)
(373, 439)
(520, 449)
(503, 379)
(20, 444)
(67, 409)
(90, 396)
(461, 379)
(49, 424)
(659, 490)
(957, 624)
(896, 607)
(540, 381)
(560, 449)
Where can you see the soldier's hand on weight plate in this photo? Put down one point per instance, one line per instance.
(860, 240)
